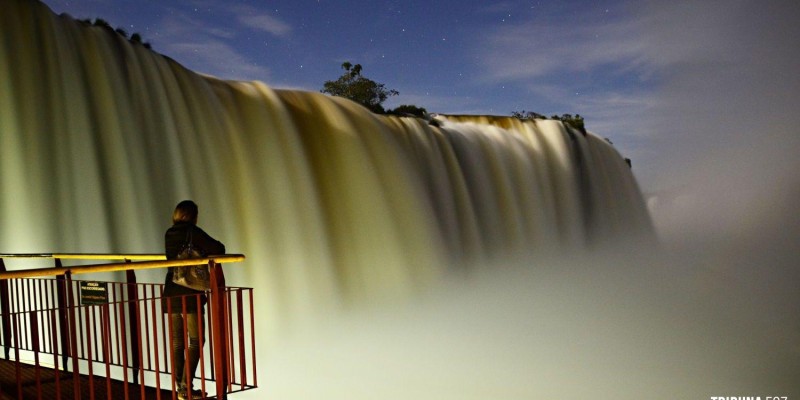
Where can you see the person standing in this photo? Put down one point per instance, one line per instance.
(184, 305)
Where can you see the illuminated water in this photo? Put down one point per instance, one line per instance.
(101, 138)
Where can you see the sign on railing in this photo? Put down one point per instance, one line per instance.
(93, 293)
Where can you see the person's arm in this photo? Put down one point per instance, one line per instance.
(210, 245)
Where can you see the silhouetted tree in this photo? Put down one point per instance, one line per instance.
(135, 37)
(354, 86)
(408, 109)
(102, 23)
(527, 115)
(575, 122)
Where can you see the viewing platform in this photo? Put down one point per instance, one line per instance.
(64, 338)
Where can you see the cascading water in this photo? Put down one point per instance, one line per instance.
(332, 204)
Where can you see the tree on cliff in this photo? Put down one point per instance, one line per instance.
(568, 119)
(135, 37)
(409, 109)
(354, 86)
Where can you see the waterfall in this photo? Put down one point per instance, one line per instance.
(332, 204)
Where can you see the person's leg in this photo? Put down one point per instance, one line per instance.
(178, 349)
(196, 328)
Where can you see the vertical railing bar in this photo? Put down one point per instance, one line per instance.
(118, 315)
(17, 364)
(44, 295)
(5, 311)
(27, 303)
(155, 342)
(54, 339)
(220, 343)
(149, 318)
(75, 325)
(73, 340)
(171, 353)
(124, 339)
(20, 307)
(82, 342)
(18, 284)
(26, 324)
(106, 322)
(90, 316)
(144, 311)
(43, 285)
(229, 337)
(16, 305)
(201, 335)
(233, 365)
(140, 355)
(16, 289)
(240, 320)
(98, 331)
(34, 318)
(38, 295)
(211, 338)
(253, 338)
(166, 326)
(185, 349)
(61, 291)
(133, 321)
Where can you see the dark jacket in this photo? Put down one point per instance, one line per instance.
(174, 239)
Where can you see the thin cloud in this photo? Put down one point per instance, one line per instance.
(541, 49)
(498, 7)
(217, 58)
(263, 22)
(209, 48)
(435, 104)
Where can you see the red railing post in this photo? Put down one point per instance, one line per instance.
(17, 364)
(54, 343)
(34, 317)
(5, 311)
(63, 306)
(72, 336)
(253, 338)
(218, 327)
(135, 333)
(106, 329)
(121, 329)
(240, 330)
(155, 341)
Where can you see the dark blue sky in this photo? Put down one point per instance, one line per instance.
(485, 57)
(670, 83)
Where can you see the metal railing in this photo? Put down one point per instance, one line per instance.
(68, 338)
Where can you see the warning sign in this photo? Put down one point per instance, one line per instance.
(94, 292)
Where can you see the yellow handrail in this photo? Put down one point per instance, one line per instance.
(88, 256)
(86, 269)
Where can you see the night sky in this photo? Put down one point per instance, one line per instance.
(688, 90)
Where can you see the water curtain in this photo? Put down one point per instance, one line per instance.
(332, 204)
